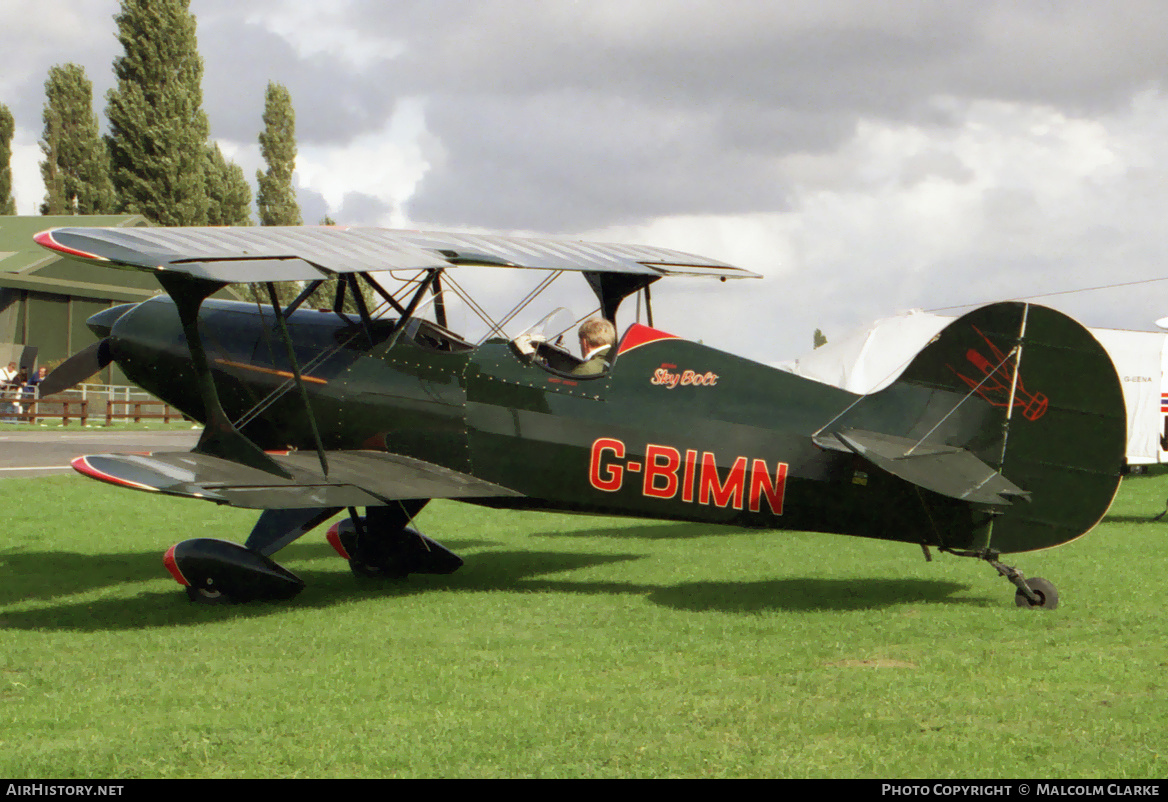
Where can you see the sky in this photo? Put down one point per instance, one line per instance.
(864, 157)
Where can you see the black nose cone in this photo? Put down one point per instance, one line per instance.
(101, 323)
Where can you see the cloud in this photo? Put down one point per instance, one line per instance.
(35, 35)
(384, 166)
(1016, 201)
(864, 157)
(590, 160)
(334, 104)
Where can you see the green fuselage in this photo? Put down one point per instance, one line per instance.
(673, 430)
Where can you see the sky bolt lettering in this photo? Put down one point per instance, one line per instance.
(665, 377)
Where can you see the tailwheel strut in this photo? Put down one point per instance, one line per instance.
(1035, 593)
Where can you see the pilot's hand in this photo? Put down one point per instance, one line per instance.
(527, 343)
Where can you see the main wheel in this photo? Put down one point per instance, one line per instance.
(207, 596)
(386, 555)
(1045, 591)
(365, 570)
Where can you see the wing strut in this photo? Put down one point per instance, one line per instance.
(248, 416)
(304, 295)
(389, 299)
(431, 277)
(220, 438)
(439, 302)
(612, 288)
(362, 309)
(296, 376)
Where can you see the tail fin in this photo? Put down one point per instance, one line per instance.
(1030, 394)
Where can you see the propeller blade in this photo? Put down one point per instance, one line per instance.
(77, 368)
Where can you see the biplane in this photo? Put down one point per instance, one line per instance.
(1004, 434)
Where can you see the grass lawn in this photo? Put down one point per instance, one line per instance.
(575, 647)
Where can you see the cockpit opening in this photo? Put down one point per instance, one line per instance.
(546, 344)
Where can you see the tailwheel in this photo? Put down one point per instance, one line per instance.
(1036, 593)
(1047, 595)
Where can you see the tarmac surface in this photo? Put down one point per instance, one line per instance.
(26, 453)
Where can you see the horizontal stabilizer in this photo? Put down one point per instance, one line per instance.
(950, 471)
(355, 479)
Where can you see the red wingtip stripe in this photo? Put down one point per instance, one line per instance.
(81, 465)
(45, 240)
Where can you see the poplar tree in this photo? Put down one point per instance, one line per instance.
(158, 130)
(7, 129)
(275, 195)
(228, 195)
(76, 168)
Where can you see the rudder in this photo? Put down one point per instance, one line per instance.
(1031, 393)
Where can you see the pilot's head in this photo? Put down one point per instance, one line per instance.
(596, 332)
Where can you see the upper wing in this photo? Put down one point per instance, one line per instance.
(355, 479)
(273, 253)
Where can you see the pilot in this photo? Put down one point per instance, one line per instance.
(597, 337)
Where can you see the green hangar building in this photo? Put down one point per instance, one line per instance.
(45, 299)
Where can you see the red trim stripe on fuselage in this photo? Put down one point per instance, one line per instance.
(639, 335)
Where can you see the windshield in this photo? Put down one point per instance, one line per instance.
(553, 327)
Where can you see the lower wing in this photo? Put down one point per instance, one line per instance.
(355, 479)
